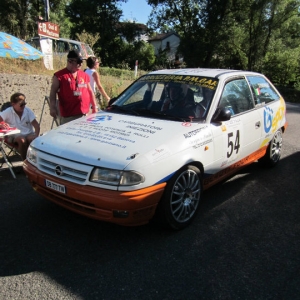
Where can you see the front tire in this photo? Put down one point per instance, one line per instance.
(181, 199)
(272, 156)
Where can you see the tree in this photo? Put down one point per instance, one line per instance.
(20, 17)
(142, 52)
(197, 22)
(58, 16)
(88, 38)
(16, 16)
(97, 17)
(229, 33)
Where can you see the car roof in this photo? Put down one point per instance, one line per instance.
(216, 73)
(59, 39)
(71, 41)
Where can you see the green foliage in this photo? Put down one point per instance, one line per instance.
(58, 16)
(141, 52)
(162, 61)
(88, 38)
(125, 74)
(254, 35)
(282, 64)
(259, 35)
(97, 17)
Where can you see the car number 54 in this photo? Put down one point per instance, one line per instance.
(55, 186)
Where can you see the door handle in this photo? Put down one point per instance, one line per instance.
(257, 124)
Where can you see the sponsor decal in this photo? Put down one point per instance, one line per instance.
(99, 118)
(158, 154)
(233, 122)
(194, 132)
(257, 91)
(144, 125)
(210, 83)
(271, 119)
(141, 129)
(268, 116)
(202, 144)
(94, 131)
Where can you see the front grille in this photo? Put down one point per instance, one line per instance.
(74, 174)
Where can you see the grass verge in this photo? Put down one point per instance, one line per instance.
(113, 80)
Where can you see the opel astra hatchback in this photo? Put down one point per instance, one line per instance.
(159, 144)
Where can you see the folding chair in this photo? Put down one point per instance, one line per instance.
(10, 148)
(47, 101)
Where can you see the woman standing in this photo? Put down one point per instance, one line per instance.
(93, 65)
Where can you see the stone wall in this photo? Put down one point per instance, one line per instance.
(35, 88)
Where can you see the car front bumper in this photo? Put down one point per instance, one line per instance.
(124, 208)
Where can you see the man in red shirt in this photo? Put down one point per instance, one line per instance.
(75, 95)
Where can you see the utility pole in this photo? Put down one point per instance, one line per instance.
(47, 10)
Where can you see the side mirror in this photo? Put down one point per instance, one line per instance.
(221, 114)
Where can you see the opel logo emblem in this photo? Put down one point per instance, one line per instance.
(59, 171)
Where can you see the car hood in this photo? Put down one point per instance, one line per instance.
(116, 140)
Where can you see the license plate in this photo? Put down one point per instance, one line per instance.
(55, 186)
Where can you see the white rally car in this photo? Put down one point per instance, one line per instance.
(166, 138)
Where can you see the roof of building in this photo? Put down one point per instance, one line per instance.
(162, 36)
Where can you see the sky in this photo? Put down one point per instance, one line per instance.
(136, 10)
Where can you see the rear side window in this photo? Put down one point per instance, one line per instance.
(75, 47)
(262, 90)
(62, 47)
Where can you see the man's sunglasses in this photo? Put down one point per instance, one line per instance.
(77, 61)
(22, 104)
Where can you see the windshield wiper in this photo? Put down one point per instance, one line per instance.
(122, 109)
(149, 112)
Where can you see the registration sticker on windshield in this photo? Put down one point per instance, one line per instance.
(55, 186)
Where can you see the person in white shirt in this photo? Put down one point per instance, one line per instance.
(93, 64)
(22, 118)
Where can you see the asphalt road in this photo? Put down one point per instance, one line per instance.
(244, 244)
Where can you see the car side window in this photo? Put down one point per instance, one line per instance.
(237, 97)
(75, 47)
(62, 47)
(262, 91)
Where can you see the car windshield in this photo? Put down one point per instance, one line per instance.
(174, 97)
(89, 50)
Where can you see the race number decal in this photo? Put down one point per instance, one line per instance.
(233, 143)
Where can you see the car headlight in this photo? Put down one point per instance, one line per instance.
(31, 155)
(116, 177)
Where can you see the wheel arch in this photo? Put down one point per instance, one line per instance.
(194, 163)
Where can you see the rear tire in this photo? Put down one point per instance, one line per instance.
(180, 202)
(272, 156)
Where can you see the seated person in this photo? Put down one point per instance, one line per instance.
(180, 101)
(164, 103)
(23, 118)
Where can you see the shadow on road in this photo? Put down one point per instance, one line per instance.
(244, 243)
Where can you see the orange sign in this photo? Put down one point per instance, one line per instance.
(48, 29)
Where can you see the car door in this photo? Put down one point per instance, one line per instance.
(270, 106)
(240, 136)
